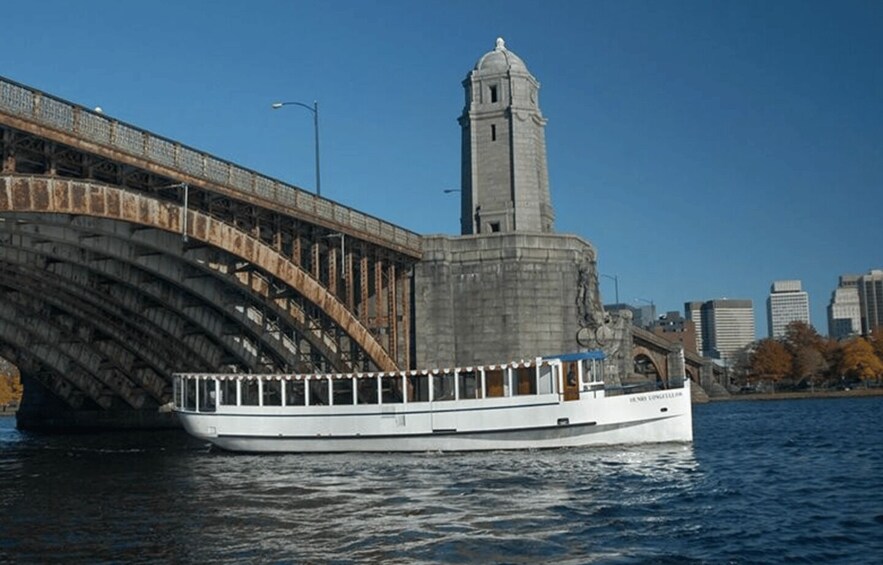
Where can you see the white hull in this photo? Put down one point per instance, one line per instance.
(515, 422)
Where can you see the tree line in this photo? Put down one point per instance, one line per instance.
(804, 359)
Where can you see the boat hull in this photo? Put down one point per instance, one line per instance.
(540, 422)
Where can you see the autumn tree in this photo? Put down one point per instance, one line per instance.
(806, 347)
(771, 360)
(800, 335)
(809, 364)
(10, 389)
(860, 361)
(876, 339)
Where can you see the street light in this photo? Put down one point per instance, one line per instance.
(450, 190)
(615, 284)
(315, 110)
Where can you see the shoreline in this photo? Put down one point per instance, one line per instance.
(803, 395)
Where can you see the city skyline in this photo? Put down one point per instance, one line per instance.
(705, 149)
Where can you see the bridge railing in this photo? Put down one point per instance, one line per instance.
(45, 109)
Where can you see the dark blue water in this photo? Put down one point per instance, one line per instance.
(764, 482)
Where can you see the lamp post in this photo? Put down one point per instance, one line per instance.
(615, 284)
(315, 110)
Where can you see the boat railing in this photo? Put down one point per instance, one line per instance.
(206, 392)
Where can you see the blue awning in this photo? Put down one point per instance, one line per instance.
(595, 354)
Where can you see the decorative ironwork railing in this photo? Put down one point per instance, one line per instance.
(45, 109)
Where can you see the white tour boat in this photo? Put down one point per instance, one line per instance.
(542, 403)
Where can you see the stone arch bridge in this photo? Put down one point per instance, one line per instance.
(657, 359)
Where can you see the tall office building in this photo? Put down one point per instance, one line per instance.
(787, 303)
(725, 326)
(693, 312)
(870, 289)
(844, 310)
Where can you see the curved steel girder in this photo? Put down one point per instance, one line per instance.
(49, 326)
(125, 308)
(61, 268)
(144, 358)
(51, 195)
(190, 310)
(225, 271)
(44, 342)
(49, 378)
(68, 240)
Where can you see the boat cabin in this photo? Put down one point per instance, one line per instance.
(565, 376)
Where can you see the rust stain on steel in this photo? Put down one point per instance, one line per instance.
(113, 203)
(96, 200)
(21, 192)
(40, 198)
(78, 200)
(60, 196)
(144, 211)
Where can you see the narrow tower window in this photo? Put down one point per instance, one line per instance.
(493, 132)
(493, 93)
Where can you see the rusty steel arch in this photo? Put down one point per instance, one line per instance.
(45, 194)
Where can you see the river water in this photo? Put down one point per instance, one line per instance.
(764, 482)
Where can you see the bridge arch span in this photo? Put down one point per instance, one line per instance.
(84, 223)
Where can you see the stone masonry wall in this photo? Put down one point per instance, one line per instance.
(500, 297)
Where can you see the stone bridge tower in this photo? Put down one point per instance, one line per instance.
(508, 288)
(505, 180)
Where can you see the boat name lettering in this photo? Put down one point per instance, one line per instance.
(656, 396)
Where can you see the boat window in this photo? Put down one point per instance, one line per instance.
(228, 392)
(367, 390)
(272, 392)
(343, 391)
(525, 380)
(207, 400)
(443, 387)
(249, 392)
(319, 392)
(494, 383)
(294, 393)
(177, 391)
(391, 390)
(470, 384)
(418, 388)
(547, 379)
(190, 394)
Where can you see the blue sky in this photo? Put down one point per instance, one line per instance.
(705, 148)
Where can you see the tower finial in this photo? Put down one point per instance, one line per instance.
(500, 44)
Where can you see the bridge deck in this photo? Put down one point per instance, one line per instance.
(50, 117)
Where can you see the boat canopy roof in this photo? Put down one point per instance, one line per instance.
(595, 354)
